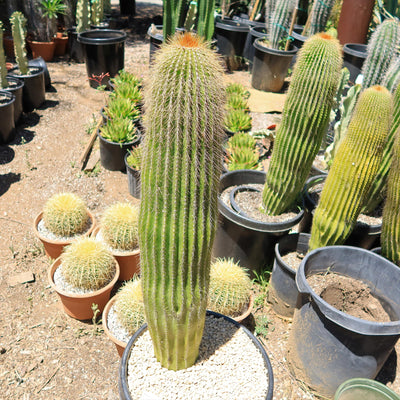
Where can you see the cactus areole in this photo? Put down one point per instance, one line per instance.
(182, 160)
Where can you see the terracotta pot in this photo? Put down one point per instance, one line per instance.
(42, 49)
(129, 261)
(243, 316)
(118, 343)
(54, 248)
(61, 43)
(79, 306)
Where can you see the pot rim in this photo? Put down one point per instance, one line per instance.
(283, 53)
(102, 36)
(10, 97)
(104, 318)
(231, 25)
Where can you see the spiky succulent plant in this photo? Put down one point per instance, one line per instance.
(181, 166)
(353, 170)
(237, 89)
(87, 264)
(18, 27)
(237, 121)
(129, 306)
(125, 76)
(280, 22)
(119, 130)
(242, 152)
(96, 11)
(119, 226)
(3, 67)
(304, 123)
(120, 107)
(230, 287)
(82, 15)
(320, 13)
(65, 214)
(237, 102)
(126, 90)
(134, 158)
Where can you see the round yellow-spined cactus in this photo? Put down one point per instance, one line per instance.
(65, 214)
(129, 306)
(230, 287)
(87, 264)
(119, 226)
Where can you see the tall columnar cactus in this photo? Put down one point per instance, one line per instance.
(181, 166)
(304, 121)
(3, 68)
(82, 15)
(353, 170)
(382, 47)
(269, 11)
(171, 16)
(320, 13)
(18, 23)
(280, 22)
(392, 76)
(376, 193)
(97, 12)
(205, 23)
(390, 236)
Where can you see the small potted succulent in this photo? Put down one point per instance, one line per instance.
(64, 218)
(124, 314)
(133, 162)
(118, 229)
(241, 152)
(120, 107)
(237, 121)
(84, 275)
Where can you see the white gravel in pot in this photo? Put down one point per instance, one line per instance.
(118, 252)
(115, 326)
(229, 367)
(51, 236)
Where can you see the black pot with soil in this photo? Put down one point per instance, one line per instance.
(354, 55)
(133, 179)
(104, 54)
(347, 319)
(255, 32)
(7, 125)
(270, 66)
(15, 86)
(155, 33)
(248, 241)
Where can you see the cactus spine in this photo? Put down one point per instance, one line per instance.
(280, 22)
(181, 166)
(353, 169)
(3, 68)
(304, 121)
(18, 23)
(382, 47)
(390, 237)
(87, 264)
(205, 24)
(319, 15)
(376, 193)
(119, 226)
(65, 214)
(82, 15)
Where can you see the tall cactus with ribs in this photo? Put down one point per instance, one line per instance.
(279, 22)
(320, 13)
(3, 68)
(304, 121)
(180, 172)
(18, 27)
(82, 15)
(353, 170)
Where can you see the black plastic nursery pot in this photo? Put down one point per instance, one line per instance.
(76, 50)
(34, 91)
(7, 125)
(112, 154)
(255, 32)
(249, 242)
(231, 37)
(104, 54)
(354, 55)
(363, 235)
(16, 88)
(270, 67)
(124, 392)
(39, 62)
(328, 346)
(133, 179)
(282, 292)
(156, 39)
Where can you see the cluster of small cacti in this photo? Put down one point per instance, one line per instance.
(279, 22)
(87, 264)
(181, 167)
(3, 68)
(230, 288)
(120, 107)
(353, 170)
(65, 214)
(119, 130)
(305, 119)
(381, 49)
(241, 152)
(134, 158)
(18, 27)
(320, 13)
(119, 226)
(97, 12)
(237, 118)
(82, 15)
(129, 306)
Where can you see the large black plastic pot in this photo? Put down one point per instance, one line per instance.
(76, 50)
(133, 179)
(270, 67)
(104, 53)
(282, 289)
(231, 38)
(328, 346)
(354, 55)
(39, 62)
(34, 91)
(112, 154)
(361, 388)
(7, 125)
(124, 392)
(156, 39)
(247, 241)
(363, 235)
(16, 88)
(249, 50)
